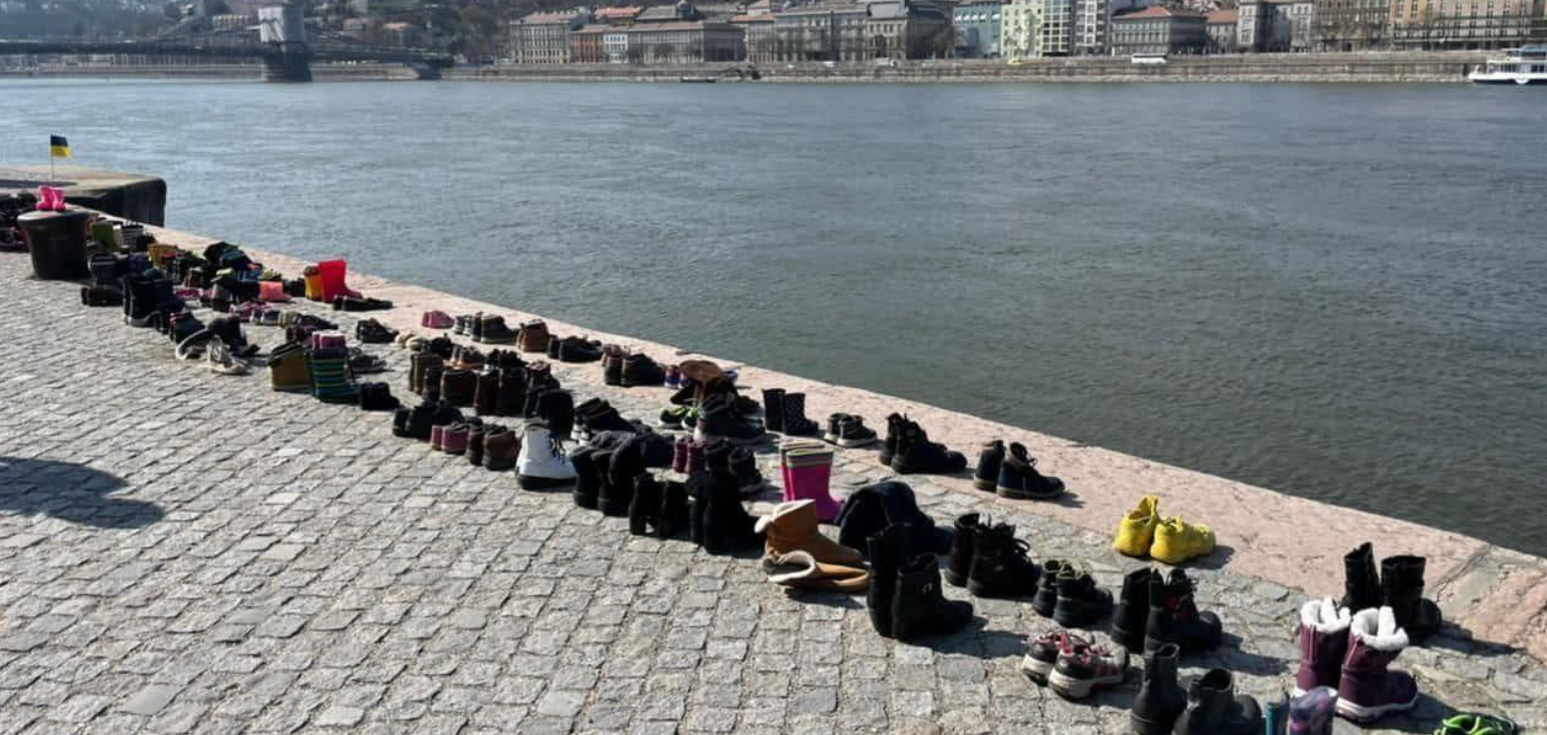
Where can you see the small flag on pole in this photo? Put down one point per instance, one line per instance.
(58, 146)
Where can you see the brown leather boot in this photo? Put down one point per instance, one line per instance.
(534, 336)
(457, 387)
(793, 527)
(501, 447)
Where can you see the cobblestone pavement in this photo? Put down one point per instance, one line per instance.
(183, 552)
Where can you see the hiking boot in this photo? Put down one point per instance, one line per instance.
(1042, 655)
(1401, 579)
(640, 371)
(1368, 689)
(1174, 616)
(719, 420)
(1311, 713)
(1083, 669)
(1002, 565)
(986, 475)
(1160, 700)
(578, 349)
(896, 425)
(793, 527)
(1361, 581)
(848, 430)
(534, 336)
(372, 332)
(596, 416)
(1177, 541)
(915, 453)
(458, 387)
(1080, 602)
(1323, 638)
(542, 463)
(493, 330)
(1019, 479)
(486, 391)
(1136, 532)
(794, 418)
(773, 409)
(918, 607)
(1216, 710)
(958, 563)
(1133, 609)
(612, 364)
(466, 357)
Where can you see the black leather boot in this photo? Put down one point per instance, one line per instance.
(1002, 565)
(1133, 609)
(1080, 602)
(1216, 710)
(617, 490)
(644, 508)
(1174, 617)
(773, 409)
(888, 551)
(1161, 699)
(588, 480)
(1402, 587)
(674, 510)
(727, 525)
(959, 564)
(1361, 585)
(1047, 587)
(918, 607)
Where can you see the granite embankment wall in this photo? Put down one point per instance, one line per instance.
(1356, 68)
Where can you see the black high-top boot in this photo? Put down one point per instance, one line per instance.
(624, 467)
(918, 607)
(795, 421)
(557, 409)
(644, 509)
(1216, 710)
(511, 394)
(773, 409)
(1361, 585)
(1046, 598)
(474, 441)
(1080, 602)
(674, 510)
(1161, 699)
(1402, 586)
(1002, 565)
(588, 481)
(1174, 617)
(698, 494)
(1133, 609)
(728, 527)
(889, 551)
(959, 564)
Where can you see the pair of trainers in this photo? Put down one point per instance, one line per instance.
(1073, 665)
(1143, 532)
(848, 430)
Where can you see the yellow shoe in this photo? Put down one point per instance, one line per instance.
(1176, 542)
(1137, 531)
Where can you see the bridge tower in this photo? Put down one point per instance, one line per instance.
(282, 28)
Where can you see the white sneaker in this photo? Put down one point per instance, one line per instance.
(221, 362)
(543, 463)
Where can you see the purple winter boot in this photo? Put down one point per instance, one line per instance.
(1311, 712)
(1367, 689)
(1323, 634)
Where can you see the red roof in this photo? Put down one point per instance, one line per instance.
(619, 11)
(1159, 11)
(1224, 16)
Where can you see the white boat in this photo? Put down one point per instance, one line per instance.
(1521, 66)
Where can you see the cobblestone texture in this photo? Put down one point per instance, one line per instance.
(182, 552)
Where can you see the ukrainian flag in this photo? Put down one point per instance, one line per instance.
(58, 146)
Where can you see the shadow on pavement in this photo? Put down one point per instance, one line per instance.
(70, 492)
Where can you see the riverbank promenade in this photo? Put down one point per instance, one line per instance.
(182, 552)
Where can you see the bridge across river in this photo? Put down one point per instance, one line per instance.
(282, 42)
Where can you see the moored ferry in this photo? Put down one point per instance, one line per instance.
(1521, 66)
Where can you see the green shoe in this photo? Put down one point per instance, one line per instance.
(1477, 725)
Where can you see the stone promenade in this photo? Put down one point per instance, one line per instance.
(183, 552)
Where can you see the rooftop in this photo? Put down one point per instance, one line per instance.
(1224, 16)
(547, 17)
(1157, 11)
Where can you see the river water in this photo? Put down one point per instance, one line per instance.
(1336, 291)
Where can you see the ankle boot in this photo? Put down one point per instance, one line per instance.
(501, 448)
(698, 509)
(888, 551)
(1216, 710)
(474, 444)
(511, 393)
(959, 563)
(1174, 617)
(486, 392)
(1080, 602)
(1323, 638)
(1401, 580)
(773, 409)
(1002, 565)
(1160, 699)
(588, 481)
(679, 454)
(727, 525)
(743, 464)
(674, 510)
(612, 365)
(1368, 689)
(617, 489)
(1361, 582)
(793, 527)
(1133, 609)
(644, 507)
(557, 409)
(1046, 599)
(918, 607)
(795, 421)
(986, 476)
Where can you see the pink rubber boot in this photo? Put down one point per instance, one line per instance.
(810, 482)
